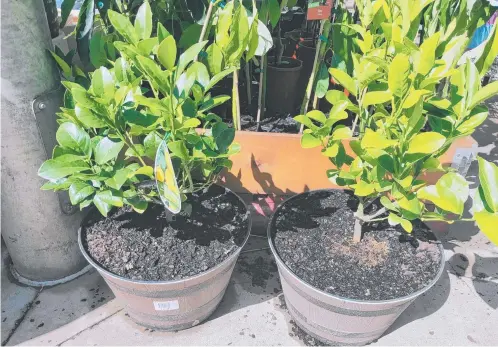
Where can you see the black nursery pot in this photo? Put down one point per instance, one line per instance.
(282, 85)
(169, 274)
(340, 292)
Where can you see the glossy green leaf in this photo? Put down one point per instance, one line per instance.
(399, 70)
(103, 83)
(88, 118)
(484, 93)
(104, 200)
(107, 149)
(66, 8)
(395, 220)
(54, 169)
(223, 136)
(274, 12)
(427, 143)
(489, 53)
(218, 77)
(190, 36)
(450, 193)
(84, 29)
(63, 65)
(309, 141)
(424, 62)
(488, 178)
(143, 21)
(151, 144)
(384, 200)
(123, 26)
(72, 136)
(322, 82)
(214, 59)
(374, 98)
(363, 188)
(213, 102)
(162, 33)
(341, 133)
(317, 115)
(178, 149)
(374, 139)
(119, 178)
(79, 191)
(134, 117)
(487, 223)
(188, 56)
(344, 79)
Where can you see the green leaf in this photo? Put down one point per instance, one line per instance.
(162, 33)
(214, 59)
(56, 185)
(476, 117)
(213, 102)
(103, 83)
(331, 151)
(98, 56)
(322, 83)
(341, 133)
(394, 219)
(487, 223)
(489, 52)
(411, 204)
(166, 53)
(66, 7)
(134, 117)
(450, 193)
(274, 11)
(218, 77)
(54, 169)
(309, 141)
(72, 136)
(188, 56)
(137, 204)
(399, 72)
(190, 36)
(88, 118)
(107, 149)
(374, 98)
(363, 188)
(123, 26)
(488, 178)
(178, 149)
(265, 40)
(66, 69)
(424, 63)
(144, 170)
(84, 29)
(79, 191)
(484, 93)
(151, 144)
(143, 21)
(223, 136)
(306, 121)
(384, 200)
(198, 72)
(239, 36)
(426, 143)
(119, 178)
(147, 46)
(317, 115)
(376, 140)
(104, 200)
(344, 79)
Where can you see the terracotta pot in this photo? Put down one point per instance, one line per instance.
(170, 305)
(337, 320)
(281, 88)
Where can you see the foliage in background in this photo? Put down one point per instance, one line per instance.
(113, 122)
(410, 101)
(177, 16)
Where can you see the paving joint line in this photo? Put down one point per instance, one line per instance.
(90, 327)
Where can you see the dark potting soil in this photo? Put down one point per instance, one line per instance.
(313, 233)
(149, 247)
(272, 123)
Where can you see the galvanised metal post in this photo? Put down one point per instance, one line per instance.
(40, 228)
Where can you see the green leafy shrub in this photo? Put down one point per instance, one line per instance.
(410, 102)
(110, 130)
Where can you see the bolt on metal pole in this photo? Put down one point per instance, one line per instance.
(38, 227)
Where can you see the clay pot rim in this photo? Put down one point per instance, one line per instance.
(284, 68)
(121, 278)
(337, 297)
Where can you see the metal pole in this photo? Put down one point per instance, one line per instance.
(37, 226)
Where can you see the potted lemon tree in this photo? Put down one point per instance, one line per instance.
(352, 259)
(129, 146)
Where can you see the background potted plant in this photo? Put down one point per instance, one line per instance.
(169, 270)
(409, 107)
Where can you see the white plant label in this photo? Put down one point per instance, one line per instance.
(166, 305)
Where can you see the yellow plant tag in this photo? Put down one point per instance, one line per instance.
(167, 186)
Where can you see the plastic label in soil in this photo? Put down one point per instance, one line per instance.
(166, 183)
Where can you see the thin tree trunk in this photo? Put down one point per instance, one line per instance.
(235, 101)
(248, 81)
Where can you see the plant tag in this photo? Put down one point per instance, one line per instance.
(166, 183)
(463, 158)
(166, 305)
(319, 9)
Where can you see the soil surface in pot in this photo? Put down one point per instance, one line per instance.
(313, 233)
(148, 247)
